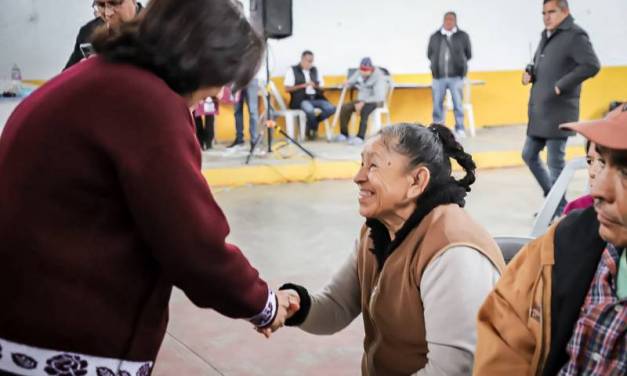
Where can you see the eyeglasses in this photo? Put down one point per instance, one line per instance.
(101, 6)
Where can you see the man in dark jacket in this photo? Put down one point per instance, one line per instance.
(111, 13)
(303, 82)
(564, 60)
(449, 51)
(560, 308)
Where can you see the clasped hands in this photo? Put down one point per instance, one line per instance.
(288, 305)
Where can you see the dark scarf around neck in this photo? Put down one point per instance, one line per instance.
(383, 245)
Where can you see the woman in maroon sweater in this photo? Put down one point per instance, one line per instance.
(103, 205)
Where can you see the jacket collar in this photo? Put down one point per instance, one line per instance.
(383, 246)
(577, 251)
(567, 23)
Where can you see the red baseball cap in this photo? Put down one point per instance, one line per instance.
(610, 132)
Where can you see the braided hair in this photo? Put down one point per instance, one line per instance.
(433, 147)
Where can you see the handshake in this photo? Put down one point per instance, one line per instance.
(288, 303)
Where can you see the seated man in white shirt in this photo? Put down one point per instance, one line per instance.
(303, 82)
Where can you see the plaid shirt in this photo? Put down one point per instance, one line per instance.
(599, 343)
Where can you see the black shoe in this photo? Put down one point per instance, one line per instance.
(236, 143)
(312, 135)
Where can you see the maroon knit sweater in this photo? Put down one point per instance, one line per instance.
(103, 209)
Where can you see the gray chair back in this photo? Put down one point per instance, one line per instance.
(510, 245)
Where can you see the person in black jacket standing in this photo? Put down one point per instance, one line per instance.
(111, 13)
(564, 59)
(449, 51)
(303, 82)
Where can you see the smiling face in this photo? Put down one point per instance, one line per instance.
(388, 187)
(610, 196)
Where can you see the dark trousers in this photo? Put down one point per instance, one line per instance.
(345, 116)
(556, 151)
(205, 132)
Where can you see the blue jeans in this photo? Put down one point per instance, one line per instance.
(248, 95)
(456, 86)
(309, 106)
(556, 150)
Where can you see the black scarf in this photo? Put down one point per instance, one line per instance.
(578, 249)
(429, 200)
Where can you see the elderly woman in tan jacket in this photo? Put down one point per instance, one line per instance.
(421, 266)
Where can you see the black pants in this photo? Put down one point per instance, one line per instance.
(205, 132)
(345, 116)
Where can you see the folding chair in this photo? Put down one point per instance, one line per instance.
(291, 116)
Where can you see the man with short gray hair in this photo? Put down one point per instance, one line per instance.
(564, 59)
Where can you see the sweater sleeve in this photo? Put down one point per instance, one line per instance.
(587, 63)
(452, 288)
(467, 47)
(352, 80)
(157, 160)
(380, 87)
(338, 303)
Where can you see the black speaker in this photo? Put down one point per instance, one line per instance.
(272, 18)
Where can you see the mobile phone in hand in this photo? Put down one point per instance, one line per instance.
(87, 49)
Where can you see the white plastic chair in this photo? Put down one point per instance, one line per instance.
(376, 117)
(291, 116)
(552, 200)
(467, 106)
(327, 126)
(511, 245)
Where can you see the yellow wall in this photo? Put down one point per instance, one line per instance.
(501, 101)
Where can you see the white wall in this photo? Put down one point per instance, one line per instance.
(39, 34)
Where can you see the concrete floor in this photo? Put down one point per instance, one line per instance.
(300, 233)
(492, 139)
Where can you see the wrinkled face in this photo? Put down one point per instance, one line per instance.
(450, 21)
(385, 182)
(306, 62)
(115, 12)
(610, 196)
(553, 15)
(592, 159)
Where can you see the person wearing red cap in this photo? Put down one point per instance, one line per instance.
(560, 308)
(371, 83)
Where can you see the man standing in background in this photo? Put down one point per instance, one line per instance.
(449, 51)
(564, 59)
(111, 13)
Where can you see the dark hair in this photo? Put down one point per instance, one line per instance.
(450, 13)
(189, 44)
(615, 156)
(433, 147)
(562, 4)
(306, 52)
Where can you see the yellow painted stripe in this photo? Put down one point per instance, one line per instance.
(327, 170)
(501, 101)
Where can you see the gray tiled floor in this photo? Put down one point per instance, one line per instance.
(301, 233)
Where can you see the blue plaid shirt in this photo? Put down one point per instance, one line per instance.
(599, 343)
